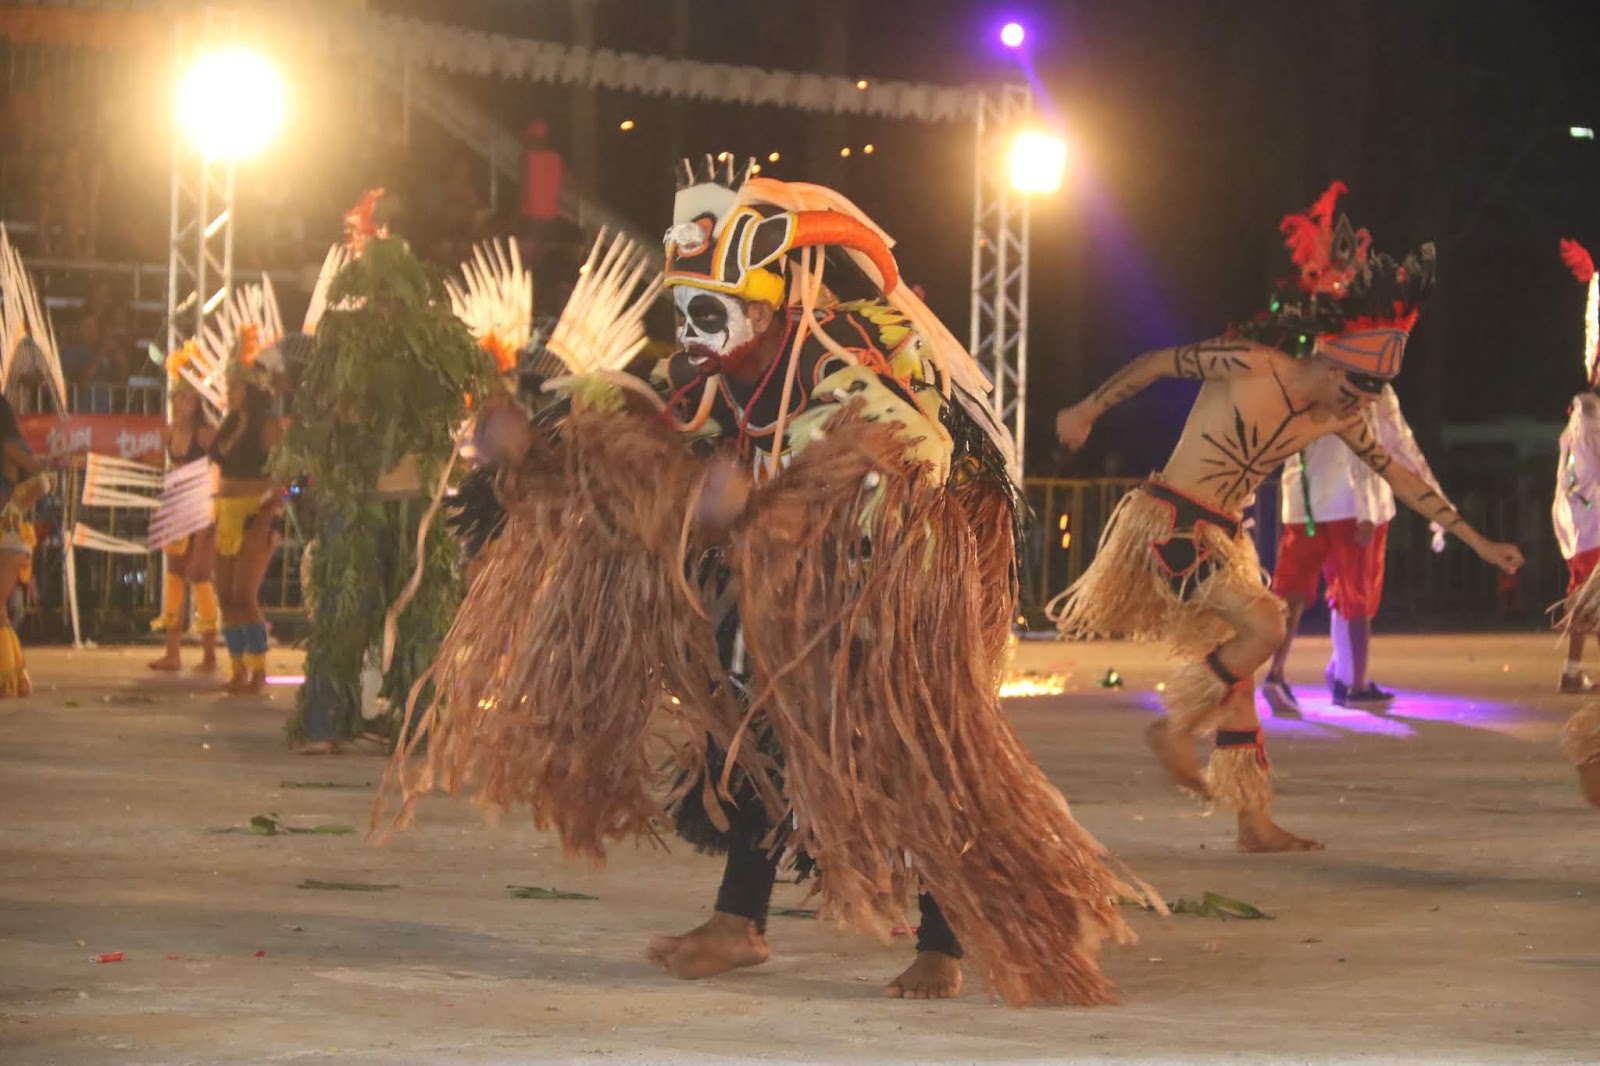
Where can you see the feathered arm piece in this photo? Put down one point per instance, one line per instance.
(495, 301)
(602, 327)
(336, 260)
(23, 315)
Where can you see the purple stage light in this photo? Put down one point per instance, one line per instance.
(1012, 35)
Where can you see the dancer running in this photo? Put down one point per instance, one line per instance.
(1174, 563)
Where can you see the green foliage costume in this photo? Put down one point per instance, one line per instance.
(386, 385)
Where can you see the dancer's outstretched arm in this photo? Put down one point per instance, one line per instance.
(1421, 498)
(1213, 360)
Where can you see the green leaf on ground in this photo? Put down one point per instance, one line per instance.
(534, 892)
(268, 825)
(793, 912)
(1210, 905)
(344, 886)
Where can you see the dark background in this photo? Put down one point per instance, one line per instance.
(1195, 127)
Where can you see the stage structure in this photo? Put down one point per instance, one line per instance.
(203, 202)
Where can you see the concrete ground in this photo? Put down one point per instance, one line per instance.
(1452, 919)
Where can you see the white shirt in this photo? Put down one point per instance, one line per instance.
(1342, 486)
(1576, 509)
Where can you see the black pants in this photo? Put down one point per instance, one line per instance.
(746, 890)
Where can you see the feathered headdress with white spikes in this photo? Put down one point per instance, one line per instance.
(602, 326)
(1581, 264)
(495, 300)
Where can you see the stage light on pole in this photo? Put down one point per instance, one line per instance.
(231, 104)
(1012, 35)
(1038, 162)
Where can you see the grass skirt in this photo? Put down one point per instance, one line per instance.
(1127, 592)
(874, 663)
(578, 672)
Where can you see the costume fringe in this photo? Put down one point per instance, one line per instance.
(991, 516)
(1238, 779)
(871, 666)
(576, 653)
(1126, 592)
(1196, 700)
(1580, 739)
(1583, 609)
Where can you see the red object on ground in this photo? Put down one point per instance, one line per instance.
(261, 954)
(115, 956)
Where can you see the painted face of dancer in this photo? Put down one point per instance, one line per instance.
(721, 330)
(1342, 392)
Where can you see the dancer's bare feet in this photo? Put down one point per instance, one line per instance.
(725, 942)
(1176, 753)
(235, 683)
(316, 747)
(254, 685)
(167, 663)
(1258, 832)
(1589, 778)
(207, 665)
(931, 975)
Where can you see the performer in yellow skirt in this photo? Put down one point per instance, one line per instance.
(248, 511)
(22, 482)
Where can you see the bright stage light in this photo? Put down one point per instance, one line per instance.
(231, 104)
(1012, 35)
(1038, 161)
(1581, 133)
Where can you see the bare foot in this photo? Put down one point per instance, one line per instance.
(931, 975)
(254, 685)
(167, 663)
(1176, 753)
(207, 666)
(234, 685)
(1258, 832)
(724, 943)
(1589, 778)
(316, 747)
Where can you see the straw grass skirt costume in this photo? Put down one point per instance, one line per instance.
(827, 672)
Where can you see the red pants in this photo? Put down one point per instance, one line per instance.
(1354, 572)
(1579, 567)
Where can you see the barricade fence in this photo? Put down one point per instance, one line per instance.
(119, 595)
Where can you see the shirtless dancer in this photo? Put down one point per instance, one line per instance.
(1174, 564)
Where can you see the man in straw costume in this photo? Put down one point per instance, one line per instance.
(1174, 562)
(792, 551)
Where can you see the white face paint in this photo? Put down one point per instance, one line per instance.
(710, 324)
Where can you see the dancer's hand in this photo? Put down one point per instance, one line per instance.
(1073, 425)
(723, 495)
(1505, 556)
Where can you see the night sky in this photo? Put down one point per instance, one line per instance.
(1195, 127)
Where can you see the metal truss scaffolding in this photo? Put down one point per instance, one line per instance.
(999, 332)
(200, 248)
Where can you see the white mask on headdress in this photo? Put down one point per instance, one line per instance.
(711, 324)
